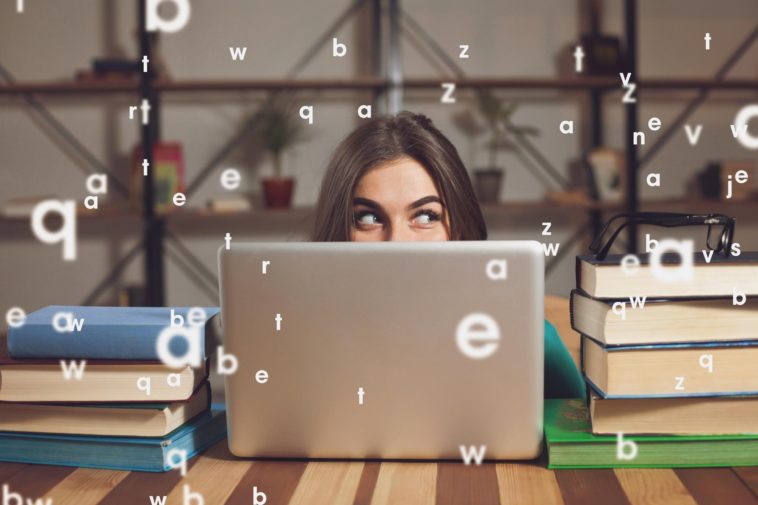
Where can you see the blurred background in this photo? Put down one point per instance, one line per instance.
(70, 72)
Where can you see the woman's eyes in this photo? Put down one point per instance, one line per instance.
(423, 217)
(426, 217)
(366, 218)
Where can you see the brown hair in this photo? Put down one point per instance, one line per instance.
(385, 139)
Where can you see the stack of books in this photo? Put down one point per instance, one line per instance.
(670, 365)
(83, 386)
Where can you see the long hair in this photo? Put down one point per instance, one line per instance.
(384, 139)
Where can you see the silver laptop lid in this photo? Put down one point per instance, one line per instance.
(384, 349)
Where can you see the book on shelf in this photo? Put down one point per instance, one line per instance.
(229, 204)
(111, 333)
(116, 419)
(655, 321)
(168, 174)
(729, 169)
(725, 415)
(571, 443)
(116, 453)
(31, 380)
(662, 370)
(714, 275)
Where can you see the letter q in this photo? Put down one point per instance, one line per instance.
(306, 112)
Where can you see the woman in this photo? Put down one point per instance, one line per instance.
(399, 178)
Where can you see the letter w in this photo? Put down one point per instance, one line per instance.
(550, 249)
(157, 500)
(38, 501)
(238, 53)
(471, 453)
(76, 324)
(638, 301)
(73, 367)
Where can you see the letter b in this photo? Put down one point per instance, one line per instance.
(177, 320)
(259, 497)
(738, 298)
(650, 243)
(338, 48)
(227, 363)
(8, 496)
(622, 446)
(191, 497)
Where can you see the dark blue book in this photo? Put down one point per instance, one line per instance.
(115, 453)
(113, 333)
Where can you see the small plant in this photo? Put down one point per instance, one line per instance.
(496, 113)
(279, 129)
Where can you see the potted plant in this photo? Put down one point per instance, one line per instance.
(279, 129)
(497, 114)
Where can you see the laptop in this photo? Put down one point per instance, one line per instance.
(384, 350)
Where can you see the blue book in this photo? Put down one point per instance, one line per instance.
(118, 333)
(115, 453)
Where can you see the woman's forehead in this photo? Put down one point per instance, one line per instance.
(399, 179)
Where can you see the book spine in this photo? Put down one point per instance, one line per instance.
(571, 308)
(89, 453)
(105, 342)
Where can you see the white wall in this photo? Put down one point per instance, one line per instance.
(517, 38)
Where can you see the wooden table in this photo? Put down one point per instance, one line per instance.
(222, 478)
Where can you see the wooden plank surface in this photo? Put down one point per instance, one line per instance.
(590, 487)
(215, 476)
(406, 484)
(655, 486)
(716, 486)
(749, 476)
(85, 485)
(149, 484)
(527, 482)
(325, 483)
(275, 478)
(33, 481)
(220, 478)
(367, 484)
(459, 483)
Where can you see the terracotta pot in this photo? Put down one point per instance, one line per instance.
(487, 182)
(277, 192)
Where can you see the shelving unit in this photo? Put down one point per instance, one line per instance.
(386, 83)
(371, 84)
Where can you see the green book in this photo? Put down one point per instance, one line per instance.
(571, 444)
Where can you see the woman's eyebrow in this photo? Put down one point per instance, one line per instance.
(424, 201)
(367, 202)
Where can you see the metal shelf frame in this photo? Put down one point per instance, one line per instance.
(387, 85)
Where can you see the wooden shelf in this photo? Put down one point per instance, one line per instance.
(370, 83)
(356, 83)
(698, 205)
(703, 206)
(582, 83)
(71, 87)
(196, 215)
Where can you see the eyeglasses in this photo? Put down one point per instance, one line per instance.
(669, 220)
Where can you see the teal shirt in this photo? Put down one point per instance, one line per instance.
(562, 379)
